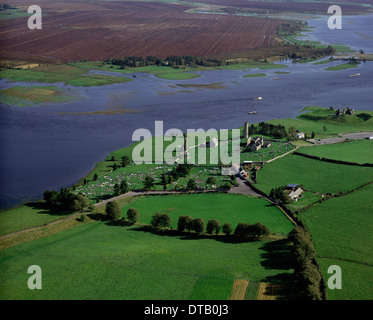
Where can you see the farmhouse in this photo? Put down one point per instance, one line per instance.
(300, 135)
(294, 195)
(294, 191)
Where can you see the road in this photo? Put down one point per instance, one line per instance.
(344, 136)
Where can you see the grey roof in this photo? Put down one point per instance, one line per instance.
(291, 185)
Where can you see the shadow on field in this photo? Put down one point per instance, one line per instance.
(43, 208)
(276, 256)
(102, 198)
(192, 235)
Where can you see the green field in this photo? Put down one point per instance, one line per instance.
(341, 229)
(255, 75)
(27, 216)
(230, 208)
(315, 175)
(317, 119)
(13, 13)
(99, 260)
(359, 151)
(343, 66)
(27, 96)
(65, 73)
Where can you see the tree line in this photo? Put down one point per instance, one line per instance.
(65, 200)
(188, 223)
(268, 129)
(171, 61)
(307, 274)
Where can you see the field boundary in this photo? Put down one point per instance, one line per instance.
(297, 153)
(239, 289)
(283, 155)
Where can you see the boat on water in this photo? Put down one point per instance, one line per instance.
(354, 75)
(252, 112)
(259, 98)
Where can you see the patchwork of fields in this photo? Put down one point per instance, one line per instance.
(341, 231)
(314, 175)
(104, 261)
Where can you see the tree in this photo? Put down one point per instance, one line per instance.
(160, 220)
(325, 128)
(133, 215)
(227, 228)
(189, 223)
(113, 211)
(312, 135)
(83, 200)
(292, 131)
(191, 185)
(115, 167)
(116, 190)
(183, 222)
(50, 197)
(148, 182)
(198, 225)
(164, 181)
(123, 187)
(95, 177)
(227, 185)
(241, 229)
(126, 161)
(210, 181)
(260, 230)
(213, 226)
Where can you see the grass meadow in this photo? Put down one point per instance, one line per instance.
(101, 260)
(359, 151)
(321, 121)
(27, 216)
(65, 73)
(230, 208)
(27, 96)
(314, 175)
(343, 66)
(341, 229)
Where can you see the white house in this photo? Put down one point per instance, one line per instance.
(300, 135)
(294, 195)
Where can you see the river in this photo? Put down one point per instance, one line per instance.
(44, 149)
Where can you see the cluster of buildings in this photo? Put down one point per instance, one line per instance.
(254, 143)
(348, 111)
(257, 143)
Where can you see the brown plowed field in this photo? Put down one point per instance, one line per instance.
(299, 7)
(72, 31)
